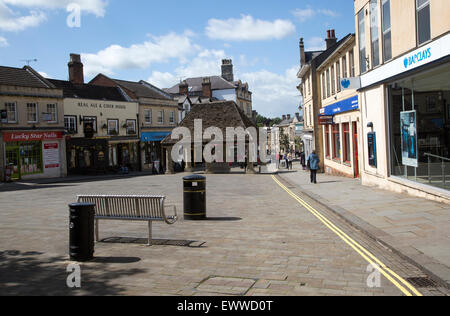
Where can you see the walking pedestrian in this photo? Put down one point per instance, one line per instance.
(290, 160)
(303, 160)
(313, 164)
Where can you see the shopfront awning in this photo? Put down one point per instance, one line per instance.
(154, 136)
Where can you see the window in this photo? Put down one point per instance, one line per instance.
(327, 141)
(161, 117)
(324, 91)
(338, 75)
(311, 123)
(113, 127)
(374, 33)
(328, 83)
(346, 131)
(148, 116)
(333, 81)
(387, 38)
(423, 21)
(90, 120)
(70, 124)
(32, 112)
(344, 67)
(52, 113)
(11, 110)
(309, 86)
(352, 63)
(336, 142)
(131, 127)
(172, 115)
(362, 42)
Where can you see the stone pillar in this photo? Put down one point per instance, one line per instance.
(188, 167)
(169, 161)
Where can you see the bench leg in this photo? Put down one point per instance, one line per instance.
(149, 233)
(96, 231)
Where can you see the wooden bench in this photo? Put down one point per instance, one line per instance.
(131, 208)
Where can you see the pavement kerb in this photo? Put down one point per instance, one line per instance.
(419, 260)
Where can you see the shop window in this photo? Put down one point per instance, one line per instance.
(148, 116)
(374, 33)
(32, 112)
(70, 124)
(327, 141)
(52, 113)
(113, 127)
(362, 42)
(419, 115)
(336, 142)
(387, 38)
(423, 21)
(11, 110)
(346, 138)
(131, 127)
(91, 121)
(28, 157)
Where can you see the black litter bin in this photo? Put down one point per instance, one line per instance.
(81, 225)
(194, 198)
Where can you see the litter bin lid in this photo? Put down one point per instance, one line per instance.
(194, 177)
(74, 205)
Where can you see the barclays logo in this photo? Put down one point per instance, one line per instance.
(417, 58)
(345, 83)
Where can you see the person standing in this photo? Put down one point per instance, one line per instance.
(313, 163)
(303, 160)
(290, 160)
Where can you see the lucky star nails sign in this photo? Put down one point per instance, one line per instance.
(31, 136)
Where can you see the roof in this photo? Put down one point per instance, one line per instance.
(88, 91)
(324, 56)
(222, 115)
(195, 85)
(24, 77)
(143, 89)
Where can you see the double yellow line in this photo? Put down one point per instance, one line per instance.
(394, 278)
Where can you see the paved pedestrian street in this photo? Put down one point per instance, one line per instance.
(258, 241)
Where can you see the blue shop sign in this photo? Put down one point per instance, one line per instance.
(154, 136)
(347, 105)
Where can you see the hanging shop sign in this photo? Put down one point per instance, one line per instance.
(326, 119)
(351, 83)
(408, 125)
(31, 136)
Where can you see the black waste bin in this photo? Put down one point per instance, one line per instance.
(194, 198)
(81, 225)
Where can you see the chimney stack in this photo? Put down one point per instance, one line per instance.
(302, 53)
(76, 73)
(288, 116)
(184, 88)
(206, 85)
(331, 39)
(284, 117)
(227, 70)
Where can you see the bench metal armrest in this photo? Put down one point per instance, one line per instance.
(173, 218)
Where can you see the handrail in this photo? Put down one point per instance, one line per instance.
(439, 157)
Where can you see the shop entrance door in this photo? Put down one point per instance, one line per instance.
(355, 149)
(13, 161)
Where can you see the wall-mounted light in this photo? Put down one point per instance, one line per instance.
(370, 125)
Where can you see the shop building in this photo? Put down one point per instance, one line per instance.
(339, 115)
(159, 114)
(404, 56)
(101, 125)
(31, 126)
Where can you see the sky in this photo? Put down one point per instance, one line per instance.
(164, 42)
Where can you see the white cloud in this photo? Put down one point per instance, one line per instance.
(96, 7)
(248, 29)
(315, 44)
(206, 63)
(10, 21)
(274, 94)
(3, 42)
(160, 49)
(44, 74)
(305, 14)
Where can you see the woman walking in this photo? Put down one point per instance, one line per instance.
(313, 164)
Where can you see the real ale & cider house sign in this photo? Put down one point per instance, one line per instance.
(31, 136)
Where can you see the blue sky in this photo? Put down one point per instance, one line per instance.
(165, 41)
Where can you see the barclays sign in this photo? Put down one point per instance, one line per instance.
(417, 58)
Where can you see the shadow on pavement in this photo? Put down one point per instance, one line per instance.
(11, 187)
(155, 242)
(33, 274)
(224, 219)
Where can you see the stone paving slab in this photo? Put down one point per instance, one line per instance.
(257, 232)
(417, 228)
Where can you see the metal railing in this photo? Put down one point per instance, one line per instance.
(443, 160)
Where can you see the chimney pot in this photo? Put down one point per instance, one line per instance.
(206, 87)
(227, 70)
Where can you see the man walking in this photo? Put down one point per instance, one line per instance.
(313, 163)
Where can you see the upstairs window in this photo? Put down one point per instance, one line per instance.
(338, 75)
(374, 33)
(52, 113)
(148, 116)
(333, 81)
(387, 37)
(70, 124)
(423, 21)
(11, 109)
(362, 42)
(32, 112)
